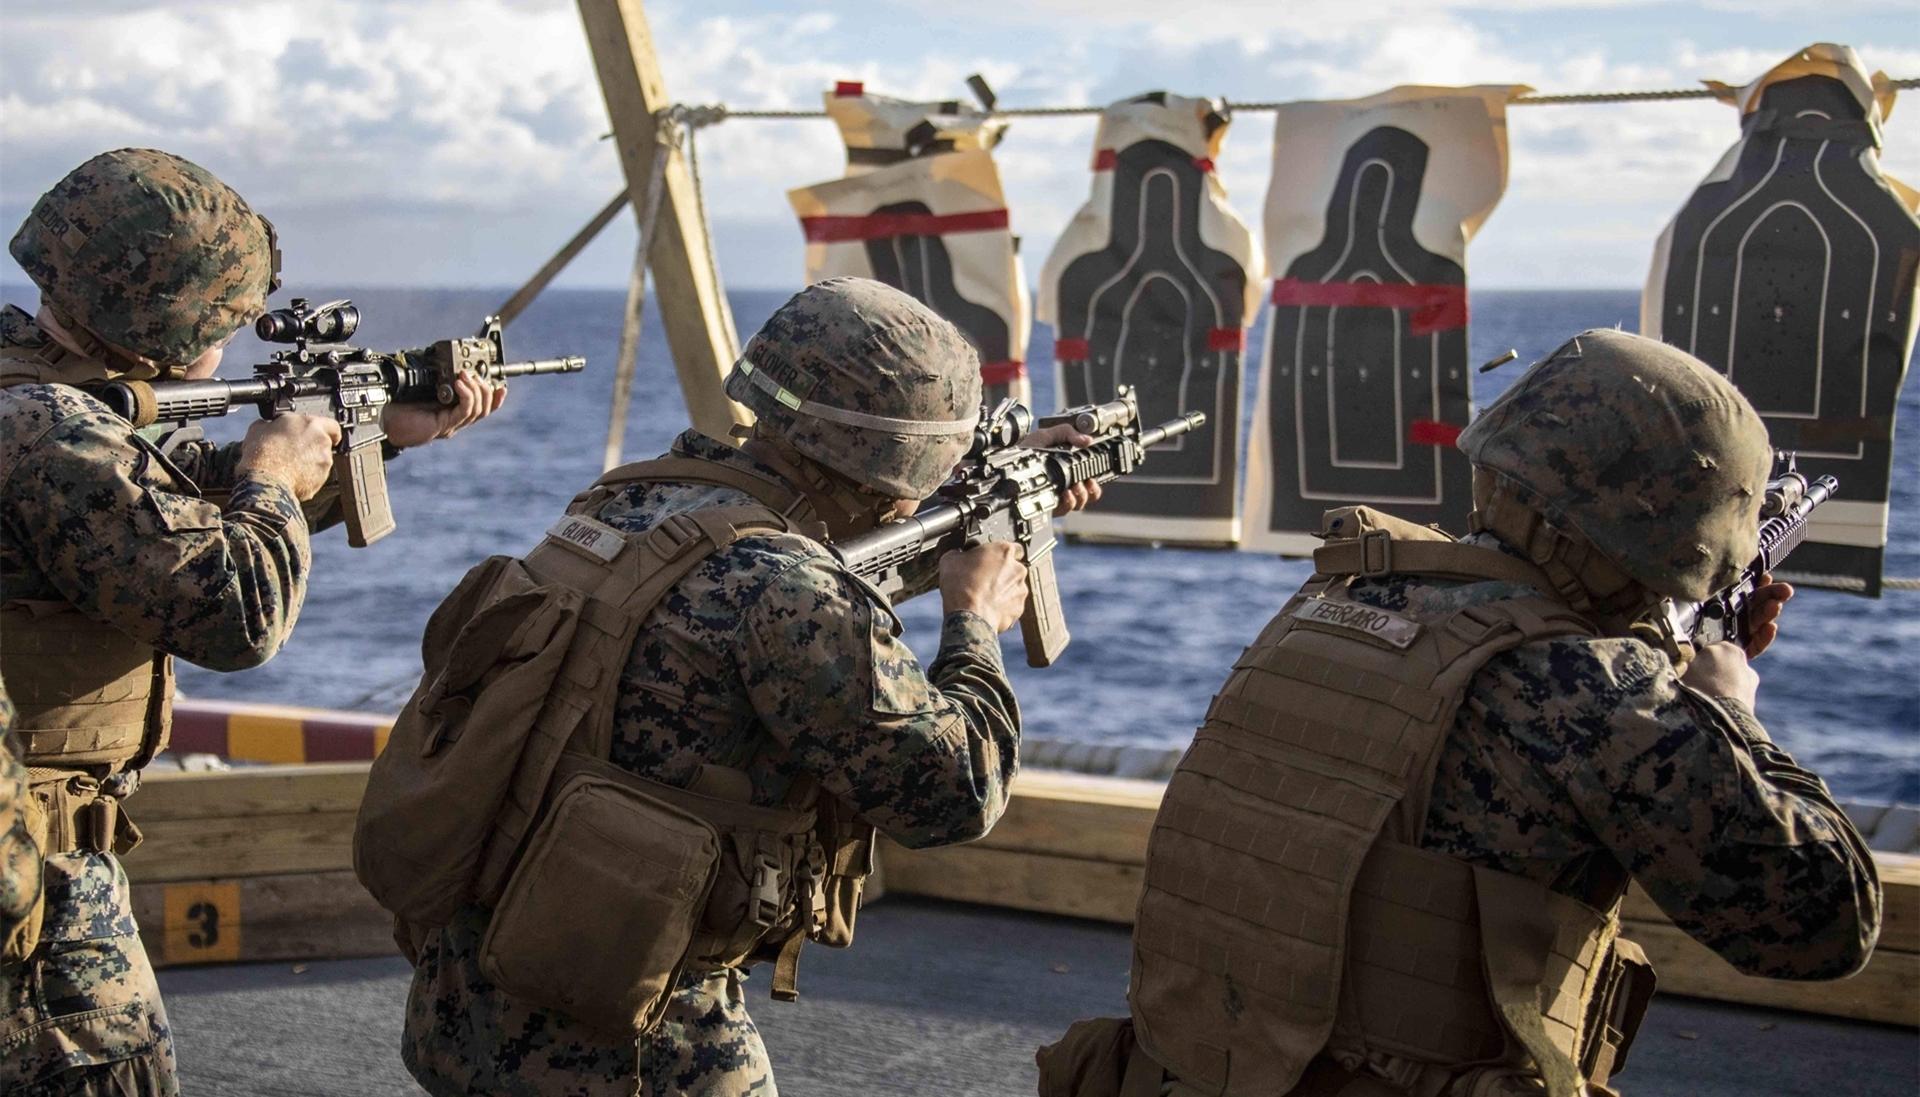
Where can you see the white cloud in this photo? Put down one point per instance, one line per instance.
(458, 140)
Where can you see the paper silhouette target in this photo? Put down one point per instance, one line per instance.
(1151, 286)
(1792, 270)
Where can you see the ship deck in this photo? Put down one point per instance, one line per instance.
(939, 998)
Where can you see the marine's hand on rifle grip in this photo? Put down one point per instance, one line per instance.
(295, 449)
(988, 580)
(1763, 614)
(1082, 495)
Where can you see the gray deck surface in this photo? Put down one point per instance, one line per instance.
(939, 998)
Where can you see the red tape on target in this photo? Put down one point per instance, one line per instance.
(1002, 373)
(1429, 432)
(1109, 159)
(1227, 339)
(1071, 350)
(834, 229)
(1435, 308)
(849, 89)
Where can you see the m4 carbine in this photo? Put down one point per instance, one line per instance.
(1785, 512)
(1003, 491)
(323, 376)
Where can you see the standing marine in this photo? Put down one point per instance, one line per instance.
(121, 549)
(1392, 860)
(717, 717)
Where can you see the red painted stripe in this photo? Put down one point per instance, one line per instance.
(1106, 160)
(1435, 308)
(833, 229)
(1227, 339)
(1002, 373)
(1203, 163)
(1071, 350)
(329, 740)
(198, 730)
(1427, 432)
(849, 89)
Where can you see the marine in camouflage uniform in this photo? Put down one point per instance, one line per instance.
(1619, 471)
(147, 262)
(769, 658)
(121, 549)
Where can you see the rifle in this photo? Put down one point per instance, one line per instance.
(1003, 491)
(321, 375)
(1785, 512)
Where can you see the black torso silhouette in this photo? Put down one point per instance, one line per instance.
(1150, 307)
(920, 266)
(1795, 276)
(1349, 383)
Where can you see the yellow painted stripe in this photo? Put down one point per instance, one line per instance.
(253, 737)
(380, 735)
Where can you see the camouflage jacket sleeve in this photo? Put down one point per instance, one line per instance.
(99, 512)
(1743, 849)
(20, 853)
(214, 468)
(924, 756)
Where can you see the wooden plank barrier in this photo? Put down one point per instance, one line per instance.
(256, 864)
(1076, 845)
(251, 865)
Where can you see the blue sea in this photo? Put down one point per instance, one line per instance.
(1154, 630)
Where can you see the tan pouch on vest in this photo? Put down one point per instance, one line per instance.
(613, 874)
(491, 653)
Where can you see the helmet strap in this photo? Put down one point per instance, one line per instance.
(846, 508)
(118, 364)
(1581, 574)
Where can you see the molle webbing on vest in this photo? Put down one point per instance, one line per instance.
(1286, 901)
(87, 694)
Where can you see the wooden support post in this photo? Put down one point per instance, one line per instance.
(693, 306)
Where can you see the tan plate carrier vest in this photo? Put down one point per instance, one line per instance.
(91, 702)
(1288, 910)
(786, 874)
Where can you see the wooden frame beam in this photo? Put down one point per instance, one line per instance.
(693, 305)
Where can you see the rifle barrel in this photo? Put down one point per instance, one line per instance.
(573, 364)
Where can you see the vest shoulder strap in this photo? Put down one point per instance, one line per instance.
(1377, 553)
(772, 493)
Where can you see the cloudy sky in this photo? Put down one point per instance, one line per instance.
(456, 142)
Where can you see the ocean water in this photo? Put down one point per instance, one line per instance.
(1154, 630)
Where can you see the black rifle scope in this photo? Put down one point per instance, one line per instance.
(333, 322)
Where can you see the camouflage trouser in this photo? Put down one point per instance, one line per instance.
(82, 1015)
(464, 1036)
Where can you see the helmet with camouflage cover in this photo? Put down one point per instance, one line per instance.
(151, 255)
(1637, 448)
(867, 381)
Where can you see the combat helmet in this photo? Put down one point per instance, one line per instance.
(1620, 456)
(149, 254)
(866, 381)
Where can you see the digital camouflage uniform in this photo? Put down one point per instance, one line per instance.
(768, 658)
(1574, 761)
(149, 252)
(19, 849)
(1296, 935)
